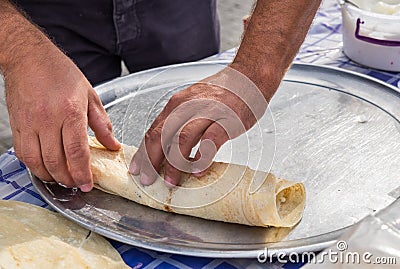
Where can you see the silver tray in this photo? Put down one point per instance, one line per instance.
(336, 131)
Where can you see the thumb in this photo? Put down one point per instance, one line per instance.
(100, 123)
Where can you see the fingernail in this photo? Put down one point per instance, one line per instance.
(146, 180)
(169, 182)
(133, 169)
(86, 187)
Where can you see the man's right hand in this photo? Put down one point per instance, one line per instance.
(50, 104)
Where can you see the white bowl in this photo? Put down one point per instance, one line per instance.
(371, 39)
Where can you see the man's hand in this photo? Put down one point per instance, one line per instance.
(50, 104)
(273, 36)
(213, 111)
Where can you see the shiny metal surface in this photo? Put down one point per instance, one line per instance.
(334, 130)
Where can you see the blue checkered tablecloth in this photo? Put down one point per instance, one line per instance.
(323, 45)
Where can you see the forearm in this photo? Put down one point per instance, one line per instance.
(275, 32)
(19, 38)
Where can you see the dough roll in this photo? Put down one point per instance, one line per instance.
(226, 193)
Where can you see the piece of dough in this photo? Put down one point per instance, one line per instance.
(33, 237)
(222, 194)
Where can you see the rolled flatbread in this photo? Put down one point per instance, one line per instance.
(33, 237)
(226, 193)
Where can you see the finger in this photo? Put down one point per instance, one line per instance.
(134, 166)
(76, 149)
(31, 155)
(211, 141)
(147, 161)
(100, 123)
(158, 138)
(53, 157)
(150, 155)
(148, 174)
(181, 147)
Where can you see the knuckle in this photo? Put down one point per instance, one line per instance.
(175, 99)
(25, 119)
(33, 162)
(76, 150)
(108, 125)
(43, 110)
(72, 111)
(93, 98)
(185, 138)
(52, 163)
(153, 134)
(211, 135)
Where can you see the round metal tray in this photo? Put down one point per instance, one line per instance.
(336, 131)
